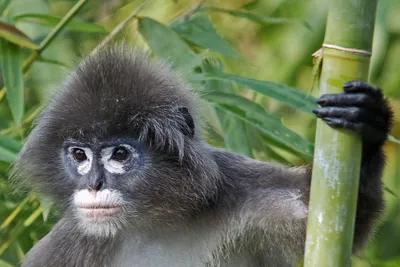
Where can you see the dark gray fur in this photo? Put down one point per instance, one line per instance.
(190, 205)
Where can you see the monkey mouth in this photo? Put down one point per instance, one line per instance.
(98, 212)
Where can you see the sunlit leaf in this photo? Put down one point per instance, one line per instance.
(35, 214)
(15, 36)
(200, 30)
(9, 148)
(11, 64)
(167, 44)
(255, 115)
(280, 92)
(256, 18)
(73, 25)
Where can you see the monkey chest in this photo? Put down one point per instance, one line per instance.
(179, 251)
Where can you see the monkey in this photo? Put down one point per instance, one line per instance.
(120, 149)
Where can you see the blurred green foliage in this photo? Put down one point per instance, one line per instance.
(244, 57)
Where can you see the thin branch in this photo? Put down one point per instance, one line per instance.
(121, 26)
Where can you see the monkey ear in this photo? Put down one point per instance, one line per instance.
(188, 128)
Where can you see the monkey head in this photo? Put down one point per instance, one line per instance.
(119, 146)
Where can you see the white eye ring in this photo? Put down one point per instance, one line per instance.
(113, 165)
(83, 166)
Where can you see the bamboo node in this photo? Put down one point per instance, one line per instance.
(348, 50)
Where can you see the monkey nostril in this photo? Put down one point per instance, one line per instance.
(99, 186)
(96, 186)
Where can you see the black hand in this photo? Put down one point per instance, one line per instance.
(361, 108)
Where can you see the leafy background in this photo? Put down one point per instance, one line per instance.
(250, 60)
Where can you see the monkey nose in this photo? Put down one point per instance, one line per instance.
(95, 186)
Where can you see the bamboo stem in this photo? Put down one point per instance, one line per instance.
(334, 187)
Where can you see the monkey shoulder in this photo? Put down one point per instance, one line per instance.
(264, 188)
(236, 167)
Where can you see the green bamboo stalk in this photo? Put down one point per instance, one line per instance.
(337, 157)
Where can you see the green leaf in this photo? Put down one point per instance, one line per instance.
(9, 148)
(250, 5)
(167, 44)
(233, 129)
(3, 5)
(11, 64)
(255, 115)
(45, 204)
(7, 222)
(256, 18)
(283, 93)
(3, 263)
(200, 30)
(73, 25)
(15, 36)
(390, 191)
(28, 221)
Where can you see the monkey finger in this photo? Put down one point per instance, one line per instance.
(368, 133)
(352, 114)
(345, 100)
(362, 87)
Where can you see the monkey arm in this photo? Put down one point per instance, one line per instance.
(271, 202)
(276, 198)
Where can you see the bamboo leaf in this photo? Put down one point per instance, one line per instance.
(390, 191)
(167, 44)
(3, 5)
(200, 30)
(28, 221)
(73, 25)
(255, 115)
(9, 148)
(11, 64)
(233, 129)
(4, 263)
(45, 204)
(256, 18)
(15, 212)
(283, 93)
(15, 36)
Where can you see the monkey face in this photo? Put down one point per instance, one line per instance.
(103, 174)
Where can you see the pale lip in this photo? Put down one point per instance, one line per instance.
(97, 212)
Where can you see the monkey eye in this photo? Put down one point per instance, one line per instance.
(120, 154)
(79, 154)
